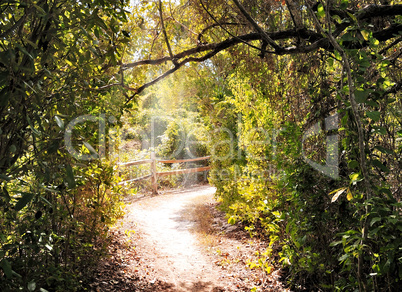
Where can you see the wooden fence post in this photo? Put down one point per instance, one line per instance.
(154, 178)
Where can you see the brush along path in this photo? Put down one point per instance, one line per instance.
(178, 241)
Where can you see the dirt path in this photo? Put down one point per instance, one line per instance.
(178, 241)
(165, 226)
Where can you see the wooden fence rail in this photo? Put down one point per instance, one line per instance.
(154, 174)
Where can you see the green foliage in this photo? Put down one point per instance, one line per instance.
(58, 60)
(266, 113)
(167, 122)
(34, 235)
(329, 233)
(180, 141)
(54, 57)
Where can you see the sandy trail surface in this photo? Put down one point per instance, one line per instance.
(163, 224)
(178, 241)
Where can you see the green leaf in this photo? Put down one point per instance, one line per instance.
(335, 243)
(92, 49)
(337, 192)
(70, 177)
(379, 164)
(387, 266)
(96, 32)
(365, 34)
(35, 131)
(13, 148)
(352, 16)
(100, 22)
(26, 198)
(40, 9)
(24, 51)
(374, 220)
(90, 148)
(59, 122)
(379, 130)
(361, 95)
(387, 192)
(6, 194)
(320, 11)
(4, 96)
(391, 100)
(384, 150)
(4, 76)
(45, 200)
(337, 18)
(344, 257)
(31, 286)
(354, 176)
(231, 220)
(6, 267)
(344, 4)
(348, 37)
(374, 42)
(353, 164)
(374, 115)
(5, 177)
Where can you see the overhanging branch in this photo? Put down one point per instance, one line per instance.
(308, 35)
(311, 41)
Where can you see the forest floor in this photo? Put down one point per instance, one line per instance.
(179, 241)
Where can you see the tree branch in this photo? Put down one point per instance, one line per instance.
(220, 25)
(169, 72)
(379, 11)
(294, 15)
(315, 40)
(200, 35)
(308, 35)
(165, 34)
(264, 35)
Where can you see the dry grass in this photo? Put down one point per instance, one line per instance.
(199, 212)
(204, 220)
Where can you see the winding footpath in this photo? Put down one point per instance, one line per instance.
(164, 226)
(158, 246)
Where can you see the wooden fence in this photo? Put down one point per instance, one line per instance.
(154, 174)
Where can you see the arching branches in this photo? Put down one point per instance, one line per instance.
(300, 39)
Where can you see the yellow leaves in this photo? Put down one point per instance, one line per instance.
(232, 220)
(349, 195)
(339, 192)
(354, 178)
(365, 34)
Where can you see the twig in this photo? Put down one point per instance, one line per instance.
(228, 32)
(165, 34)
(264, 35)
